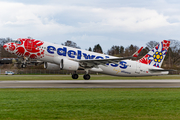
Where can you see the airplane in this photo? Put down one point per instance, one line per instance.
(59, 57)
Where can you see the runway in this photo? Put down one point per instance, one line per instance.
(91, 84)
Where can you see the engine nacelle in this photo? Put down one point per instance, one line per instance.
(51, 66)
(66, 64)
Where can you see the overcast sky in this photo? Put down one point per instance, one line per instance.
(91, 22)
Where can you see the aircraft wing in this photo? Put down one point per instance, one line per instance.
(94, 62)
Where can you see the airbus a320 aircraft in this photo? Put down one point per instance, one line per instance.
(57, 57)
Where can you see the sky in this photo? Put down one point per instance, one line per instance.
(91, 22)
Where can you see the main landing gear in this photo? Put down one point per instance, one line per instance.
(86, 76)
(23, 65)
(75, 75)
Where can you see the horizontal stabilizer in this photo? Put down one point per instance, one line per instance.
(160, 70)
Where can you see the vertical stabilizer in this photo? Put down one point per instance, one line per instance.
(156, 56)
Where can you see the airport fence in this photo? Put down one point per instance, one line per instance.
(63, 72)
(176, 72)
(43, 71)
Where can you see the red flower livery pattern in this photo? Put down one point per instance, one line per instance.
(26, 47)
(156, 56)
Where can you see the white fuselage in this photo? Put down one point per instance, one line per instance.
(53, 53)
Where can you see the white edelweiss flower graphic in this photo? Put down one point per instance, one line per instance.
(157, 55)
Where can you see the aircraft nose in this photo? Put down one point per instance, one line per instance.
(5, 46)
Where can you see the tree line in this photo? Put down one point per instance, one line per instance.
(172, 59)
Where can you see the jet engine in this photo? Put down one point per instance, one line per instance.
(51, 66)
(66, 64)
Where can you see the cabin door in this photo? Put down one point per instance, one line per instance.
(29, 45)
(138, 67)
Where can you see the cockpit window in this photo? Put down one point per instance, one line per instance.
(18, 42)
(13, 41)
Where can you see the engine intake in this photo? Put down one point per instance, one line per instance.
(66, 64)
(51, 66)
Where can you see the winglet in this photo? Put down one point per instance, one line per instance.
(137, 52)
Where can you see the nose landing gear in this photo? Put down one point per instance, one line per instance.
(75, 76)
(23, 65)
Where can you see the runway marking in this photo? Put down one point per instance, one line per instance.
(91, 84)
(92, 81)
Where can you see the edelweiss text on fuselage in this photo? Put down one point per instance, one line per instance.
(72, 53)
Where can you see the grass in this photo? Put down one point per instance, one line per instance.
(88, 104)
(93, 77)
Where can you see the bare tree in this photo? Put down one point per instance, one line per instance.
(131, 50)
(71, 44)
(116, 51)
(173, 56)
(97, 48)
(89, 49)
(151, 44)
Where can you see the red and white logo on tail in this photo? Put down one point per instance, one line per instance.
(156, 56)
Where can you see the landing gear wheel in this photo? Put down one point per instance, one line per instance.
(75, 76)
(23, 65)
(86, 76)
